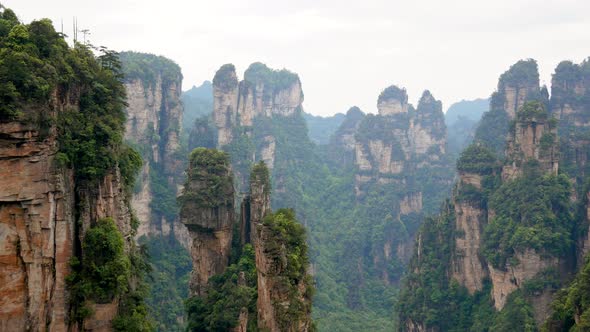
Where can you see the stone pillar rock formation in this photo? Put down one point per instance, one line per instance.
(208, 213)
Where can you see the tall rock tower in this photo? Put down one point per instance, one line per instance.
(207, 210)
(154, 116)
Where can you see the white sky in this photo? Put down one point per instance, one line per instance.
(344, 51)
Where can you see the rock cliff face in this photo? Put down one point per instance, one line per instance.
(208, 213)
(44, 215)
(468, 267)
(394, 153)
(154, 117)
(399, 139)
(533, 138)
(517, 85)
(520, 270)
(245, 114)
(282, 303)
(342, 143)
(64, 172)
(37, 231)
(274, 299)
(570, 103)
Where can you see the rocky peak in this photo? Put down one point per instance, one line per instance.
(534, 137)
(428, 104)
(389, 142)
(264, 95)
(207, 210)
(570, 103)
(392, 100)
(429, 130)
(257, 203)
(342, 142)
(225, 78)
(517, 85)
(225, 102)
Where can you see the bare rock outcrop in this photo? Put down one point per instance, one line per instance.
(37, 231)
(534, 137)
(154, 117)
(207, 211)
(468, 267)
(240, 106)
(518, 85)
(44, 213)
(399, 139)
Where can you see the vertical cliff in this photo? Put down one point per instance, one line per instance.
(65, 183)
(400, 169)
(254, 116)
(510, 239)
(399, 139)
(284, 286)
(207, 210)
(38, 230)
(154, 117)
(468, 266)
(258, 280)
(341, 148)
(534, 137)
(520, 83)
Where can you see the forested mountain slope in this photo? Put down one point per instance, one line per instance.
(515, 228)
(361, 214)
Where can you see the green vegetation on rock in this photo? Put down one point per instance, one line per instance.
(532, 212)
(225, 77)
(523, 72)
(393, 92)
(105, 272)
(211, 168)
(227, 295)
(148, 67)
(287, 239)
(168, 282)
(477, 159)
(273, 80)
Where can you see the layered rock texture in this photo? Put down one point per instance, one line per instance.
(498, 204)
(519, 84)
(283, 299)
(342, 144)
(37, 228)
(395, 152)
(154, 117)
(209, 215)
(399, 139)
(248, 114)
(63, 170)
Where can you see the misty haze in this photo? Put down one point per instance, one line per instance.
(294, 166)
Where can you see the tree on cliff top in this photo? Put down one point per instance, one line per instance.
(393, 92)
(523, 72)
(211, 169)
(225, 77)
(148, 67)
(271, 78)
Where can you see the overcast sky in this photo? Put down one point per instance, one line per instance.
(344, 51)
